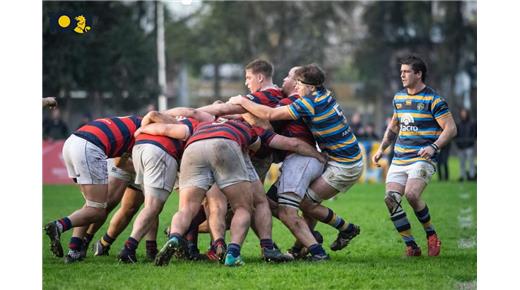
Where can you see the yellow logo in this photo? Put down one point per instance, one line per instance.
(398, 106)
(81, 25)
(63, 22)
(408, 102)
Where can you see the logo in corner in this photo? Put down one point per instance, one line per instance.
(81, 24)
(64, 22)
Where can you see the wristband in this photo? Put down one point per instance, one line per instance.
(435, 147)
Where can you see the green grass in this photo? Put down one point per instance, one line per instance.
(373, 260)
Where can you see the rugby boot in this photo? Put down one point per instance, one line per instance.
(232, 261)
(344, 238)
(127, 256)
(413, 251)
(100, 250)
(318, 258)
(434, 245)
(174, 244)
(72, 257)
(51, 229)
(274, 255)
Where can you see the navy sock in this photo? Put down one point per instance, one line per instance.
(151, 245)
(234, 249)
(266, 243)
(65, 224)
(317, 249)
(131, 244)
(75, 243)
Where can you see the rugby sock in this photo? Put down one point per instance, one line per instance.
(267, 244)
(107, 240)
(402, 225)
(75, 244)
(64, 224)
(234, 250)
(424, 217)
(131, 244)
(88, 238)
(175, 235)
(337, 222)
(317, 249)
(151, 246)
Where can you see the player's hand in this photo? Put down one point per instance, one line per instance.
(426, 152)
(49, 102)
(137, 132)
(376, 157)
(236, 100)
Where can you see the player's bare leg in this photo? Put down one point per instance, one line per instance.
(190, 199)
(130, 204)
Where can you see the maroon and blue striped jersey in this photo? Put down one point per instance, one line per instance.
(174, 147)
(238, 131)
(114, 136)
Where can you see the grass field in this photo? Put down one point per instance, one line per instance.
(373, 259)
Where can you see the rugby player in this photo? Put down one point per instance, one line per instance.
(317, 107)
(85, 154)
(423, 125)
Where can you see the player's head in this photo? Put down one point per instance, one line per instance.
(309, 79)
(258, 73)
(413, 69)
(289, 82)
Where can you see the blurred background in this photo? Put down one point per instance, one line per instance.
(142, 56)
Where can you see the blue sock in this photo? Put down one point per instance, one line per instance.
(234, 250)
(176, 235)
(266, 243)
(317, 249)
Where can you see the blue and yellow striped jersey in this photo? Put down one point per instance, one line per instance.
(329, 126)
(418, 127)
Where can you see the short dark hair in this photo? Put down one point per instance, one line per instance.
(261, 66)
(416, 63)
(310, 74)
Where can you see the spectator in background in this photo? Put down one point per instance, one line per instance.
(49, 102)
(369, 133)
(465, 140)
(55, 128)
(355, 125)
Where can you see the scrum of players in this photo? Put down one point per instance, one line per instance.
(218, 156)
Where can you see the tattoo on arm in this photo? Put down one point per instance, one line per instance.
(389, 138)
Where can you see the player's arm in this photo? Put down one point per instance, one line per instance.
(157, 117)
(392, 130)
(220, 109)
(190, 113)
(176, 131)
(261, 111)
(295, 145)
(449, 131)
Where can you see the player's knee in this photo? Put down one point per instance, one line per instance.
(412, 197)
(393, 202)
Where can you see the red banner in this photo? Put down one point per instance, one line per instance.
(54, 171)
